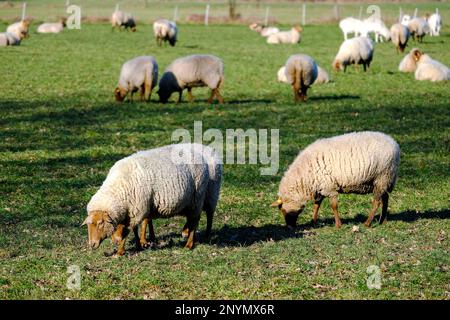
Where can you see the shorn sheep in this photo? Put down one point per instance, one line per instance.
(399, 36)
(435, 23)
(52, 27)
(293, 36)
(140, 73)
(429, 69)
(180, 179)
(301, 72)
(189, 72)
(358, 162)
(19, 29)
(121, 19)
(355, 51)
(165, 30)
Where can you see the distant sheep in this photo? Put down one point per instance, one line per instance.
(20, 29)
(418, 28)
(8, 39)
(264, 31)
(405, 20)
(175, 180)
(429, 69)
(351, 25)
(301, 72)
(322, 75)
(48, 27)
(355, 51)
(165, 30)
(121, 19)
(140, 73)
(435, 24)
(378, 27)
(399, 36)
(293, 36)
(189, 72)
(358, 162)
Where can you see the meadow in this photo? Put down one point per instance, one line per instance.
(61, 131)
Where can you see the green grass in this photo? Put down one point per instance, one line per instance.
(60, 132)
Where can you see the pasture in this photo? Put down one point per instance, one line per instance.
(61, 131)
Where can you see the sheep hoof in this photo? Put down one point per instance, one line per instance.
(367, 224)
(145, 244)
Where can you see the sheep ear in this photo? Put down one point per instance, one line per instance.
(277, 203)
(87, 220)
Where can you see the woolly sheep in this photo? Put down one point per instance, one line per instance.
(435, 23)
(121, 19)
(418, 27)
(48, 27)
(399, 36)
(189, 72)
(301, 72)
(352, 25)
(378, 27)
(405, 20)
(322, 75)
(180, 179)
(8, 39)
(355, 51)
(429, 69)
(165, 30)
(140, 73)
(408, 64)
(262, 30)
(293, 36)
(19, 29)
(358, 162)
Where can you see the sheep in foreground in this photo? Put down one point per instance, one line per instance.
(121, 19)
(165, 30)
(293, 36)
(435, 23)
(49, 27)
(358, 162)
(140, 73)
(179, 179)
(20, 29)
(418, 28)
(8, 39)
(408, 64)
(429, 69)
(355, 51)
(301, 72)
(322, 75)
(189, 72)
(399, 36)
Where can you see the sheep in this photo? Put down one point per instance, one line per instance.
(357, 162)
(20, 29)
(322, 75)
(352, 25)
(301, 72)
(429, 69)
(48, 27)
(140, 73)
(263, 30)
(399, 36)
(418, 27)
(189, 72)
(165, 30)
(378, 27)
(293, 36)
(405, 20)
(408, 64)
(178, 179)
(8, 39)
(435, 23)
(355, 51)
(121, 19)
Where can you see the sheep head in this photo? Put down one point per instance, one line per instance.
(120, 94)
(337, 66)
(99, 226)
(416, 54)
(290, 210)
(298, 28)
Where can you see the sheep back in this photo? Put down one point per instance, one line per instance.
(137, 71)
(301, 67)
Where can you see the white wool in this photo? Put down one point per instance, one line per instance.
(408, 64)
(293, 36)
(399, 36)
(159, 183)
(351, 25)
(268, 31)
(8, 39)
(19, 29)
(378, 27)
(357, 50)
(322, 76)
(432, 70)
(301, 67)
(138, 71)
(165, 30)
(405, 20)
(120, 18)
(418, 27)
(281, 75)
(48, 27)
(435, 23)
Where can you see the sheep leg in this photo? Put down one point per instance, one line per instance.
(147, 91)
(219, 97)
(151, 231)
(142, 240)
(131, 95)
(375, 204)
(317, 204)
(193, 224)
(384, 200)
(180, 93)
(185, 231)
(190, 97)
(209, 221)
(304, 91)
(142, 93)
(334, 207)
(121, 235)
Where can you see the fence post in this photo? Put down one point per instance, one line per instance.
(24, 8)
(266, 19)
(304, 14)
(336, 11)
(400, 14)
(360, 12)
(175, 14)
(415, 13)
(206, 14)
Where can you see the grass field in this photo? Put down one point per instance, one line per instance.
(60, 132)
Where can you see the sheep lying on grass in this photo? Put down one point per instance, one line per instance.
(121, 19)
(408, 64)
(165, 30)
(189, 72)
(8, 39)
(399, 36)
(20, 29)
(355, 51)
(358, 162)
(140, 73)
(181, 179)
(262, 30)
(301, 72)
(293, 36)
(429, 69)
(50, 27)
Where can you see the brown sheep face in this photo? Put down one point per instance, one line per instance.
(99, 227)
(290, 210)
(120, 94)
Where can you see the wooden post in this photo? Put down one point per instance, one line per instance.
(24, 8)
(360, 12)
(415, 13)
(336, 11)
(175, 14)
(206, 14)
(304, 14)
(400, 14)
(266, 19)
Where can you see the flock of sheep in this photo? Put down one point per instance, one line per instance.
(185, 179)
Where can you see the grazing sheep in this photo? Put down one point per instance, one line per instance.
(408, 64)
(352, 25)
(399, 36)
(121, 19)
(48, 27)
(378, 27)
(301, 72)
(20, 29)
(189, 72)
(165, 30)
(355, 51)
(293, 36)
(358, 162)
(179, 179)
(140, 73)
(418, 28)
(8, 39)
(429, 69)
(322, 75)
(435, 23)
